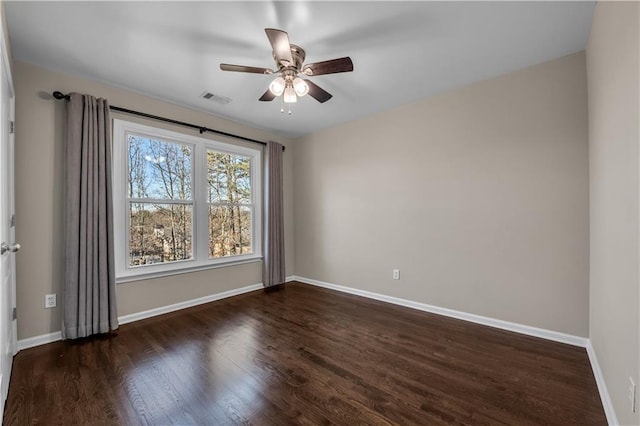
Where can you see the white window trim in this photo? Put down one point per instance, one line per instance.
(201, 260)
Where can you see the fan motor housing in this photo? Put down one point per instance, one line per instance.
(298, 55)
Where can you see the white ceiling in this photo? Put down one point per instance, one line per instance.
(402, 51)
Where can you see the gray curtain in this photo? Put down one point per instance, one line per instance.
(273, 270)
(89, 283)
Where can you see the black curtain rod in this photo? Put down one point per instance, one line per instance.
(202, 129)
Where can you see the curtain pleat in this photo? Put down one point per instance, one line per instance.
(273, 270)
(89, 284)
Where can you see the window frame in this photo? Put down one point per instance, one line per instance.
(200, 210)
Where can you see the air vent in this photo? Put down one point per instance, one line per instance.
(223, 100)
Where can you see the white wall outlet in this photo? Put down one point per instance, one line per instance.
(49, 301)
(633, 397)
(396, 274)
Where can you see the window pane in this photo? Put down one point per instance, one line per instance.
(159, 233)
(229, 231)
(229, 177)
(158, 169)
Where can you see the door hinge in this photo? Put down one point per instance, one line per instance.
(14, 314)
(11, 127)
(12, 222)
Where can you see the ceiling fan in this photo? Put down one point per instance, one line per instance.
(289, 59)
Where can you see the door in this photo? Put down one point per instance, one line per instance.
(8, 246)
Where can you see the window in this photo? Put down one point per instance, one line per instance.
(229, 204)
(182, 202)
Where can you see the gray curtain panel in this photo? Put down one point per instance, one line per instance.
(273, 270)
(89, 282)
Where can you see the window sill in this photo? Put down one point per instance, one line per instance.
(159, 274)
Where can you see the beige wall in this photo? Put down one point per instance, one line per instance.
(613, 71)
(39, 176)
(479, 196)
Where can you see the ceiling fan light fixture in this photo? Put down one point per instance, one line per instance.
(277, 86)
(289, 60)
(290, 95)
(301, 87)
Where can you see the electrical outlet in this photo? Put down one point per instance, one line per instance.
(396, 274)
(632, 395)
(49, 301)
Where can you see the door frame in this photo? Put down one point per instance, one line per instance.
(5, 68)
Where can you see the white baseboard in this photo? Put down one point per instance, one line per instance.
(53, 337)
(491, 322)
(38, 340)
(602, 386)
(187, 304)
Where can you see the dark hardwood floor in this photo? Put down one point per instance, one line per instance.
(304, 355)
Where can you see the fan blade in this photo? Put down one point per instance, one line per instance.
(331, 66)
(318, 93)
(280, 44)
(267, 96)
(244, 68)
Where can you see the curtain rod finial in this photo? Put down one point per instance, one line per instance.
(59, 95)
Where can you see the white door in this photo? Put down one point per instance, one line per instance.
(8, 245)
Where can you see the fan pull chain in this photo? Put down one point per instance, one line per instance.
(282, 104)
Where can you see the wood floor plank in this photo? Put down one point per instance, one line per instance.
(304, 355)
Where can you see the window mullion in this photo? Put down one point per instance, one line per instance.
(227, 204)
(158, 201)
(202, 215)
